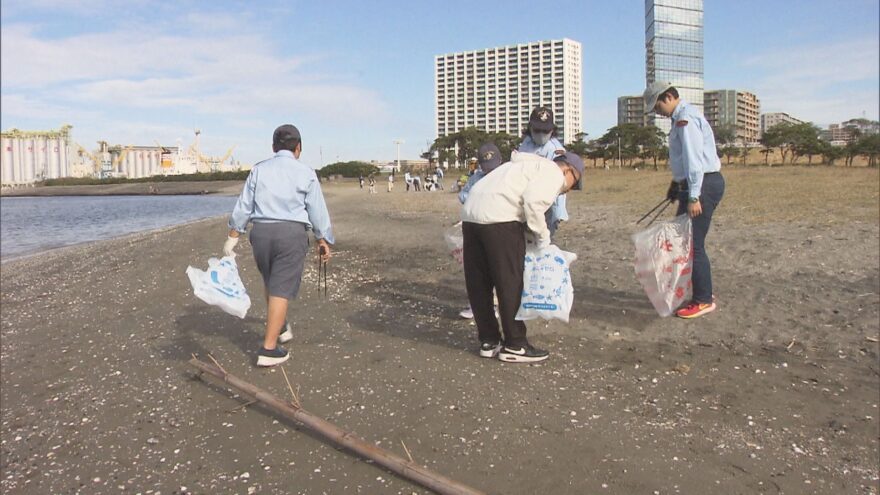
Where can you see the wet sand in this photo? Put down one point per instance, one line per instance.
(776, 392)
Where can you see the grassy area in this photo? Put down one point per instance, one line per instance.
(754, 195)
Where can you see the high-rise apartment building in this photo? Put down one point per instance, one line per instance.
(674, 49)
(495, 89)
(736, 110)
(631, 110)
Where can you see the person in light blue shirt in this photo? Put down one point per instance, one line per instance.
(282, 198)
(540, 139)
(697, 182)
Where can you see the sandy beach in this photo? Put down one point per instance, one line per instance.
(776, 392)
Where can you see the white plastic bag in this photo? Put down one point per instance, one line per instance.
(220, 286)
(664, 261)
(455, 242)
(547, 291)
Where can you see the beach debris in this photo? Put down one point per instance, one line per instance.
(391, 461)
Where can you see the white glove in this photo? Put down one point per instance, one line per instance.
(229, 246)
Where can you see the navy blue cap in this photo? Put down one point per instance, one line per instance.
(489, 157)
(541, 120)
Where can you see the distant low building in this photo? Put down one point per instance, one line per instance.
(849, 131)
(768, 120)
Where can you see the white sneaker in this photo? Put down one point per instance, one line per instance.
(287, 335)
(467, 314)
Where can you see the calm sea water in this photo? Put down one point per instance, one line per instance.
(32, 225)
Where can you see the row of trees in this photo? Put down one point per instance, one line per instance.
(798, 140)
(628, 142)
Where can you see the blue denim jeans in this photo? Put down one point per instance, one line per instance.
(710, 195)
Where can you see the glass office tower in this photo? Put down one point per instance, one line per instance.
(674, 49)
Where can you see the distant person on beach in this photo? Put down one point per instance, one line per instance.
(489, 158)
(282, 197)
(697, 183)
(540, 139)
(417, 183)
(390, 181)
(438, 171)
(361, 181)
(407, 178)
(496, 215)
(372, 185)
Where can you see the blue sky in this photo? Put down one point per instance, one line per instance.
(354, 76)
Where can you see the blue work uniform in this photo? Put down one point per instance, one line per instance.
(696, 166)
(466, 188)
(282, 189)
(549, 150)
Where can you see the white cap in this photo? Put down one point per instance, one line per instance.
(654, 90)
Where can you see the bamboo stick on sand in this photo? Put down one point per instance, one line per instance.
(392, 462)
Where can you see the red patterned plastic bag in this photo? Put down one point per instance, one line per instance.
(664, 262)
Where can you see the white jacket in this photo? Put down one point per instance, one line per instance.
(520, 190)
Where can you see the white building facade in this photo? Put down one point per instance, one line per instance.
(496, 89)
(674, 50)
(33, 156)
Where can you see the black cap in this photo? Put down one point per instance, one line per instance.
(284, 135)
(489, 157)
(541, 120)
(575, 161)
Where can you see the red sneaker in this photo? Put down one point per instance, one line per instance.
(695, 309)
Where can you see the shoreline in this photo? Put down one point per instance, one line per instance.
(59, 250)
(226, 188)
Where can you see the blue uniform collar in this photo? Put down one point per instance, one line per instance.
(679, 109)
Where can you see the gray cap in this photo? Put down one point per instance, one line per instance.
(653, 91)
(575, 161)
(489, 157)
(541, 120)
(284, 134)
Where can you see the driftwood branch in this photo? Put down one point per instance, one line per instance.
(390, 461)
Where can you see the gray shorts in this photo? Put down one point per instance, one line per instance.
(280, 250)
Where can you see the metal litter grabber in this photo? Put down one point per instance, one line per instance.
(322, 270)
(664, 203)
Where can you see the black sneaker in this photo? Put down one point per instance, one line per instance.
(286, 334)
(267, 357)
(489, 350)
(525, 354)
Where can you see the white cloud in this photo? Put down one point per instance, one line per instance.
(169, 80)
(824, 83)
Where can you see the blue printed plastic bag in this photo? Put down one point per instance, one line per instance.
(220, 286)
(547, 290)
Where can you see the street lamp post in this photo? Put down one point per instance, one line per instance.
(398, 142)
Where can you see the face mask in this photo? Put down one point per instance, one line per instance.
(540, 138)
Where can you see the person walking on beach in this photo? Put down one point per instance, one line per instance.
(282, 197)
(540, 139)
(697, 183)
(407, 178)
(496, 215)
(372, 185)
(390, 181)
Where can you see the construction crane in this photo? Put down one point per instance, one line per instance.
(96, 163)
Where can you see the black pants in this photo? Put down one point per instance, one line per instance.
(493, 259)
